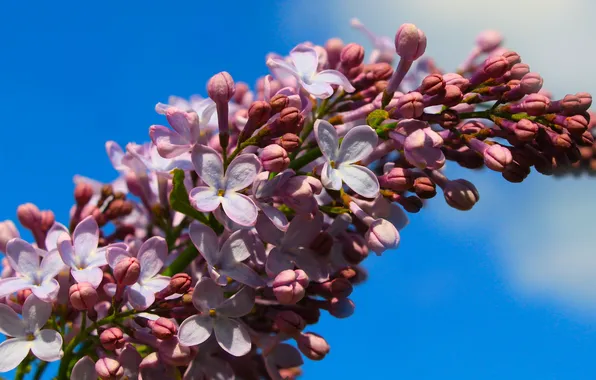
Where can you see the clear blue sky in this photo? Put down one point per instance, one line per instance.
(73, 75)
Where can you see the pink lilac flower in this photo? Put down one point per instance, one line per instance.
(226, 261)
(340, 164)
(30, 273)
(152, 255)
(84, 369)
(218, 314)
(208, 366)
(384, 47)
(304, 65)
(224, 188)
(129, 358)
(27, 334)
(147, 158)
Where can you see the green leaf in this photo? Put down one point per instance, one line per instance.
(179, 198)
(376, 117)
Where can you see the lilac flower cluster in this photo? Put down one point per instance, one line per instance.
(251, 211)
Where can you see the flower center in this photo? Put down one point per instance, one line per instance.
(332, 164)
(30, 337)
(221, 192)
(212, 313)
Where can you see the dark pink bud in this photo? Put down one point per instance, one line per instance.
(289, 286)
(497, 157)
(274, 158)
(525, 130)
(461, 194)
(180, 283)
(289, 142)
(489, 40)
(536, 104)
(456, 80)
(112, 338)
(432, 85)
(83, 193)
(163, 328)
(351, 56)
(82, 296)
(512, 58)
(424, 187)
(127, 271)
(29, 216)
(334, 48)
(312, 346)
(336, 288)
(354, 248)
(241, 90)
(220, 87)
(277, 103)
(322, 243)
(585, 100)
(519, 70)
(22, 295)
(341, 307)
(494, 67)
(576, 124)
(109, 369)
(7, 231)
(410, 105)
(531, 83)
(397, 179)
(288, 322)
(410, 42)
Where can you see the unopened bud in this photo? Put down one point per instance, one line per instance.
(289, 142)
(173, 353)
(109, 369)
(334, 48)
(220, 87)
(289, 286)
(410, 42)
(112, 338)
(163, 328)
(127, 271)
(489, 40)
(288, 322)
(381, 236)
(461, 194)
(354, 248)
(7, 231)
(497, 157)
(278, 103)
(410, 105)
(424, 187)
(83, 193)
(312, 346)
(432, 84)
(397, 179)
(351, 56)
(29, 216)
(274, 158)
(322, 243)
(341, 307)
(82, 296)
(180, 283)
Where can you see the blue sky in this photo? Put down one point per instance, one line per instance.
(484, 294)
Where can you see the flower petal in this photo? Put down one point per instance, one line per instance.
(240, 208)
(12, 353)
(47, 345)
(139, 296)
(239, 304)
(10, 323)
(302, 230)
(169, 143)
(152, 256)
(235, 248)
(66, 250)
(306, 260)
(85, 238)
(156, 284)
(330, 178)
(207, 295)
(277, 262)
(204, 198)
(334, 77)
(327, 139)
(53, 234)
(318, 89)
(92, 275)
(51, 265)
(14, 284)
(195, 330)
(22, 256)
(36, 313)
(208, 165)
(47, 291)
(130, 360)
(276, 216)
(206, 242)
(357, 144)
(181, 121)
(243, 274)
(116, 254)
(242, 172)
(84, 369)
(232, 336)
(115, 154)
(281, 69)
(305, 59)
(217, 369)
(268, 232)
(360, 179)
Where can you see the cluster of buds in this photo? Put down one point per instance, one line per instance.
(227, 235)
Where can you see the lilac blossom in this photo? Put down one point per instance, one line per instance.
(220, 315)
(225, 261)
(27, 334)
(304, 65)
(340, 164)
(224, 188)
(147, 158)
(384, 47)
(208, 366)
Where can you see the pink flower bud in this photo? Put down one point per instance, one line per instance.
(241, 90)
(82, 296)
(576, 124)
(398, 179)
(525, 130)
(334, 47)
(112, 338)
(512, 58)
(456, 80)
(410, 42)
(354, 248)
(109, 369)
(489, 40)
(7, 231)
(289, 286)
(180, 283)
(312, 346)
(22, 295)
(585, 100)
(432, 84)
(410, 105)
(381, 235)
(29, 216)
(461, 194)
(518, 71)
(289, 142)
(341, 307)
(163, 328)
(173, 353)
(336, 288)
(531, 83)
(322, 243)
(536, 104)
(494, 67)
(351, 56)
(288, 322)
(497, 157)
(220, 87)
(274, 158)
(83, 193)
(127, 271)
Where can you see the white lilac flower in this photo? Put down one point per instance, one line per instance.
(225, 188)
(304, 65)
(341, 161)
(218, 315)
(27, 334)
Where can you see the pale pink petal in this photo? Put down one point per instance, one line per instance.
(281, 69)
(12, 353)
(305, 59)
(204, 198)
(240, 208)
(239, 304)
(36, 313)
(115, 255)
(51, 265)
(10, 323)
(140, 297)
(357, 144)
(208, 165)
(47, 291)
(195, 330)
(92, 275)
(302, 230)
(66, 251)
(235, 248)
(130, 360)
(84, 369)
(268, 232)
(243, 274)
(360, 179)
(115, 154)
(207, 295)
(330, 177)
(85, 238)
(152, 256)
(276, 216)
(327, 139)
(53, 234)
(181, 121)
(110, 289)
(232, 336)
(306, 260)
(47, 345)
(14, 284)
(169, 143)
(97, 258)
(334, 77)
(22, 256)
(318, 89)
(242, 172)
(156, 284)
(217, 369)
(206, 242)
(277, 262)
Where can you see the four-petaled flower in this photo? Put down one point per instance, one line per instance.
(227, 261)
(218, 314)
(152, 256)
(304, 68)
(340, 164)
(224, 188)
(27, 334)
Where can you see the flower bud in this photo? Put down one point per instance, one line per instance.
(576, 124)
(424, 187)
(112, 338)
(180, 283)
(489, 40)
(512, 58)
(381, 236)
(410, 42)
(83, 193)
(278, 103)
(163, 328)
(585, 100)
(220, 87)
(456, 80)
(82, 296)
(289, 142)
(518, 71)
(432, 85)
(461, 194)
(334, 47)
(322, 243)
(312, 346)
(354, 248)
(153, 368)
(397, 179)
(22, 295)
(410, 105)
(525, 130)
(241, 90)
(289, 286)
(536, 104)
(109, 369)
(497, 157)
(127, 271)
(351, 56)
(341, 307)
(7, 231)
(274, 158)
(288, 322)
(29, 216)
(173, 353)
(531, 83)
(336, 288)
(494, 67)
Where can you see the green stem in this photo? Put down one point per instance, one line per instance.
(182, 261)
(41, 367)
(475, 115)
(24, 367)
(305, 159)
